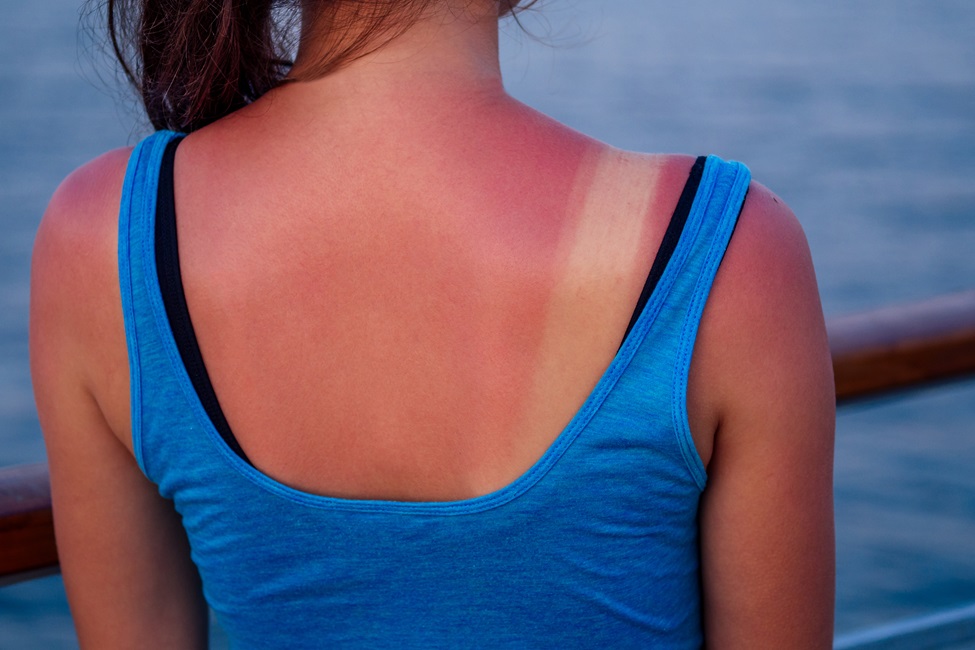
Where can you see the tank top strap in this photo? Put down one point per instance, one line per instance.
(668, 327)
(138, 280)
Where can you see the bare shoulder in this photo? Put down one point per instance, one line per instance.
(763, 326)
(86, 203)
(75, 312)
(81, 219)
(768, 237)
(75, 244)
(765, 292)
(766, 515)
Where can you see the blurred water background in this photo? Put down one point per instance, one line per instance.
(861, 115)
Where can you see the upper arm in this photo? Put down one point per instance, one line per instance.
(122, 550)
(767, 546)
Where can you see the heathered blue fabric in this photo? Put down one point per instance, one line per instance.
(595, 546)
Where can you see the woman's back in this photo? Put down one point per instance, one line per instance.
(601, 528)
(446, 322)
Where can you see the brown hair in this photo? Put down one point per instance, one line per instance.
(195, 61)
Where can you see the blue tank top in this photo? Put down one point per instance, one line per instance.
(596, 545)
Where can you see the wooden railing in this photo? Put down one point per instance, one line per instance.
(874, 353)
(26, 527)
(904, 347)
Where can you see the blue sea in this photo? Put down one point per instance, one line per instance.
(860, 114)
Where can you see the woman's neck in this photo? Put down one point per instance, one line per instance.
(448, 51)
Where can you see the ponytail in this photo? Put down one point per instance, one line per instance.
(194, 61)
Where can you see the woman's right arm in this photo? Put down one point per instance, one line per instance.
(123, 552)
(763, 366)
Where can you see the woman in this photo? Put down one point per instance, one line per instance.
(379, 356)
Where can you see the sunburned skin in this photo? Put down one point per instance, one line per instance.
(468, 267)
(438, 341)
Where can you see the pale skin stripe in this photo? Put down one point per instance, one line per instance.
(601, 263)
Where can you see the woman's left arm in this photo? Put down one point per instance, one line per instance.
(767, 543)
(123, 552)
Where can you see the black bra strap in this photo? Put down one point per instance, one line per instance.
(174, 299)
(669, 242)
